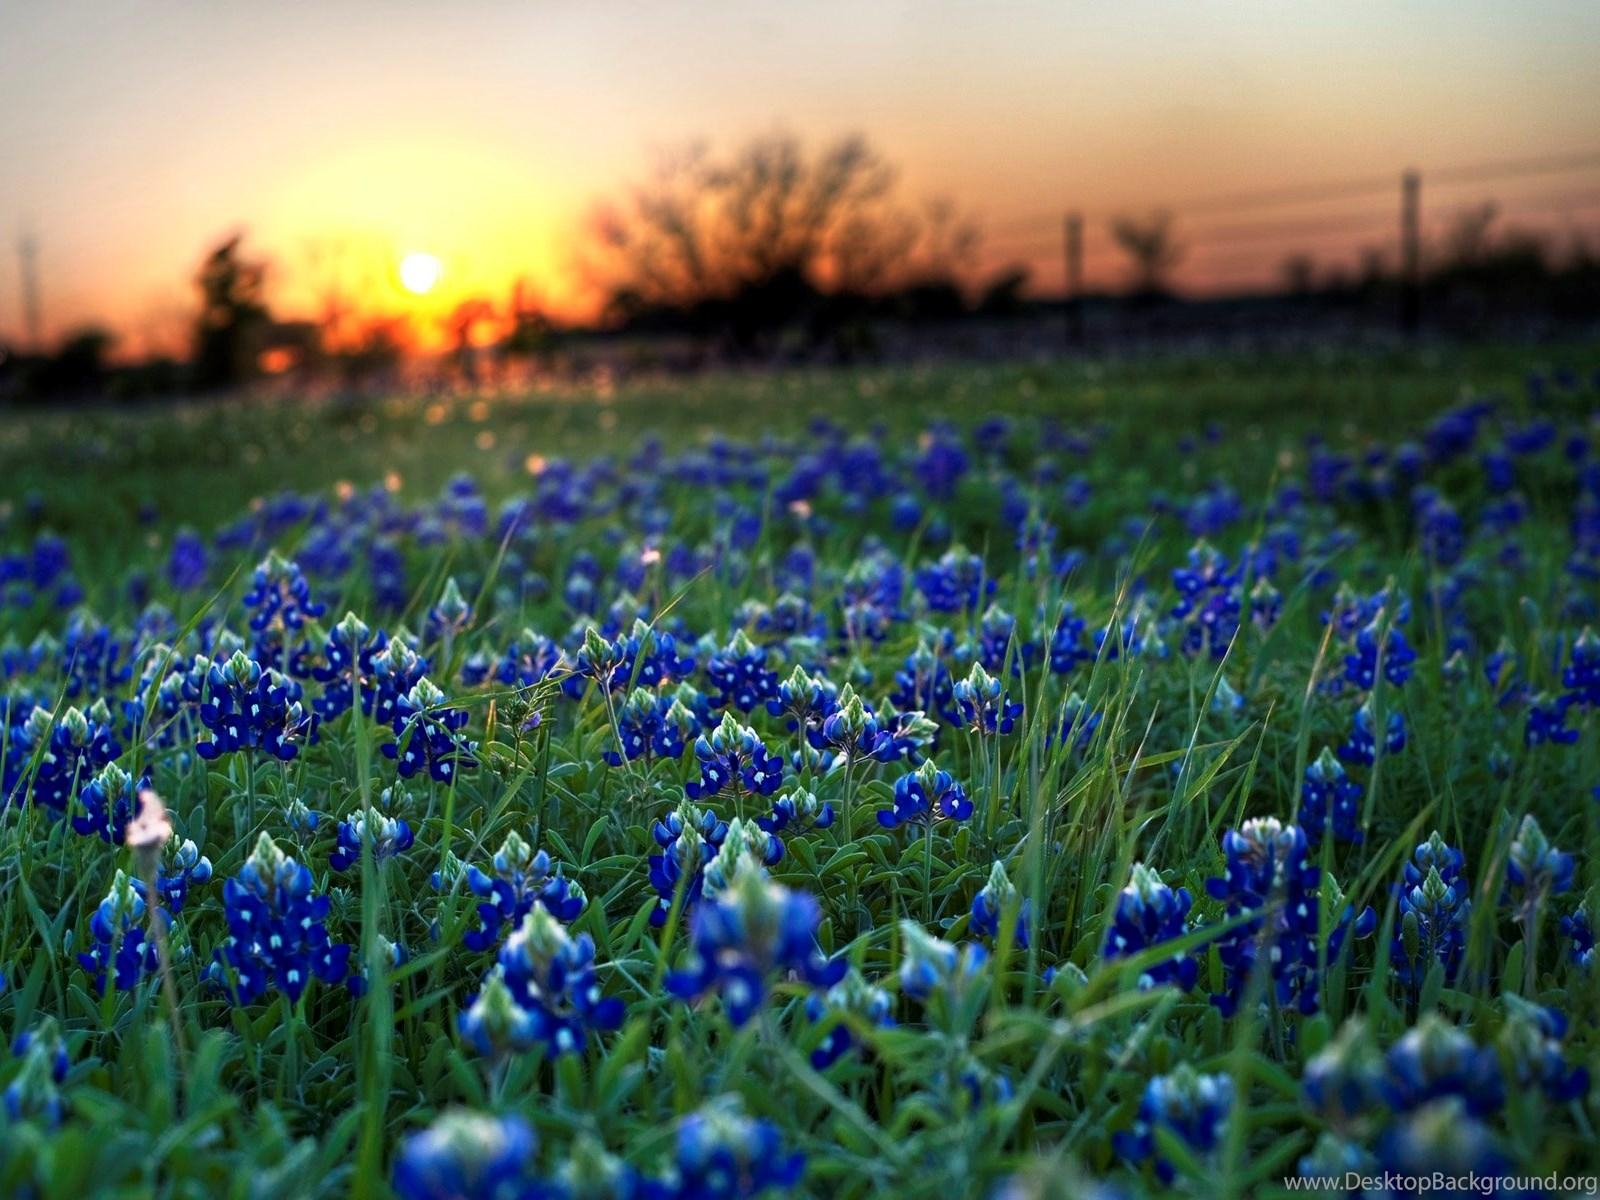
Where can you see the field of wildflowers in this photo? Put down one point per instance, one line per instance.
(1037, 782)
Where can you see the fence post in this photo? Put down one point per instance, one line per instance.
(1410, 252)
(1074, 264)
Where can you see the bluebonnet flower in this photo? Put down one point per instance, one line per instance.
(849, 1003)
(803, 699)
(1434, 907)
(940, 462)
(1362, 744)
(748, 931)
(956, 583)
(997, 638)
(75, 746)
(646, 657)
(651, 726)
(253, 708)
(1579, 930)
(547, 975)
(301, 819)
(187, 869)
(991, 902)
(982, 704)
(1530, 1044)
(851, 730)
(280, 596)
(109, 801)
(936, 972)
(925, 796)
(1536, 869)
(450, 614)
(733, 756)
(35, 1091)
(1329, 790)
(1268, 875)
(1209, 601)
(277, 931)
(723, 1154)
(1069, 643)
(120, 944)
(1266, 604)
(92, 658)
(1225, 699)
(1078, 723)
(468, 1156)
(187, 562)
(1435, 1060)
(1547, 722)
(795, 812)
(520, 878)
(689, 838)
(428, 735)
(1582, 672)
(396, 669)
(1440, 531)
(1192, 1106)
(1344, 1080)
(924, 683)
(904, 735)
(741, 675)
(1443, 1140)
(1148, 913)
(387, 836)
(1375, 643)
(530, 658)
(347, 663)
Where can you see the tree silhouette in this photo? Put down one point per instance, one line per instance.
(233, 317)
(1152, 248)
(767, 238)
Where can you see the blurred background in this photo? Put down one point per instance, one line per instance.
(198, 198)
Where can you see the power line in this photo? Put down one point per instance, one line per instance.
(1336, 189)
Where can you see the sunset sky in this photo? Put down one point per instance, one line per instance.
(134, 135)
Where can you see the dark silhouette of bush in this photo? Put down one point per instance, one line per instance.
(233, 322)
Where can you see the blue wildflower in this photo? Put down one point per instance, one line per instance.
(1362, 744)
(1148, 913)
(842, 1009)
(991, 902)
(468, 1156)
(982, 705)
(925, 796)
(547, 976)
(732, 756)
(386, 835)
(35, 1090)
(1192, 1106)
(252, 708)
(748, 930)
(520, 878)
(280, 596)
(120, 941)
(428, 735)
(1435, 1060)
(1329, 790)
(277, 931)
(722, 1154)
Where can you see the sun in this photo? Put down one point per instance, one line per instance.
(419, 273)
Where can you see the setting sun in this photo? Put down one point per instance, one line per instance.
(419, 273)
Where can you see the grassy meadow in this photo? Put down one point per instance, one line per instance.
(1058, 780)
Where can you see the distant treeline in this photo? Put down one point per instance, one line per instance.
(776, 254)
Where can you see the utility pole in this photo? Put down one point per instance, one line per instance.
(1074, 265)
(32, 320)
(1410, 252)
